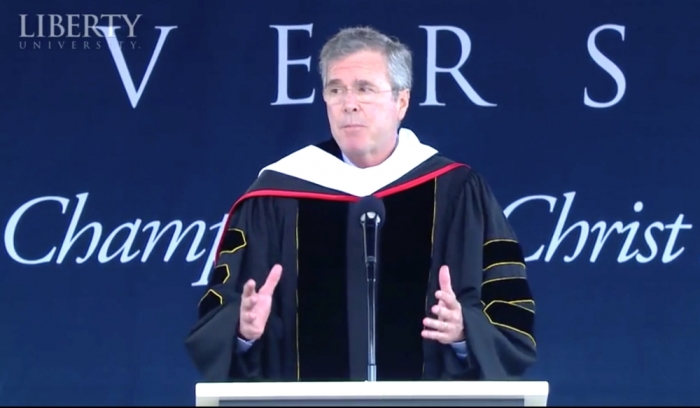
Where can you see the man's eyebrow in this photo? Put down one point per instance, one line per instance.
(333, 82)
(359, 82)
(364, 82)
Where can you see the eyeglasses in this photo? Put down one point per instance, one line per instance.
(334, 94)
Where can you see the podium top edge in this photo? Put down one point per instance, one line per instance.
(384, 389)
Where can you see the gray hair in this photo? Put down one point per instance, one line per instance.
(351, 40)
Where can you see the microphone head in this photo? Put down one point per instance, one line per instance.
(370, 207)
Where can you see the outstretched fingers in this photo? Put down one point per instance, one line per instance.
(249, 297)
(272, 280)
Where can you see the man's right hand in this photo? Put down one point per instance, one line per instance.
(255, 306)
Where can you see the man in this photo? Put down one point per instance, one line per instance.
(287, 297)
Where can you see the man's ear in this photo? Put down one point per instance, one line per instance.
(403, 99)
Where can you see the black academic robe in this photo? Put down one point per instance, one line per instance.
(439, 213)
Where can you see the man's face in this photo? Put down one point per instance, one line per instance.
(362, 110)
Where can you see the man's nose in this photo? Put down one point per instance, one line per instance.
(350, 102)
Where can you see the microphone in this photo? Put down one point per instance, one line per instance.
(372, 217)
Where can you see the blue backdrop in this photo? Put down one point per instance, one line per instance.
(121, 156)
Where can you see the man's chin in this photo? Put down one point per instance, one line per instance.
(355, 147)
(353, 140)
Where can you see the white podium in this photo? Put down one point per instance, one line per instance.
(383, 394)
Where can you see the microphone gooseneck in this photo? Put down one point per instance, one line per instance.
(371, 210)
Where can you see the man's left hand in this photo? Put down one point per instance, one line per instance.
(448, 328)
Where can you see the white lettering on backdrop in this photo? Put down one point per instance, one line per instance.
(642, 243)
(607, 65)
(283, 64)
(432, 69)
(106, 245)
(600, 232)
(115, 48)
